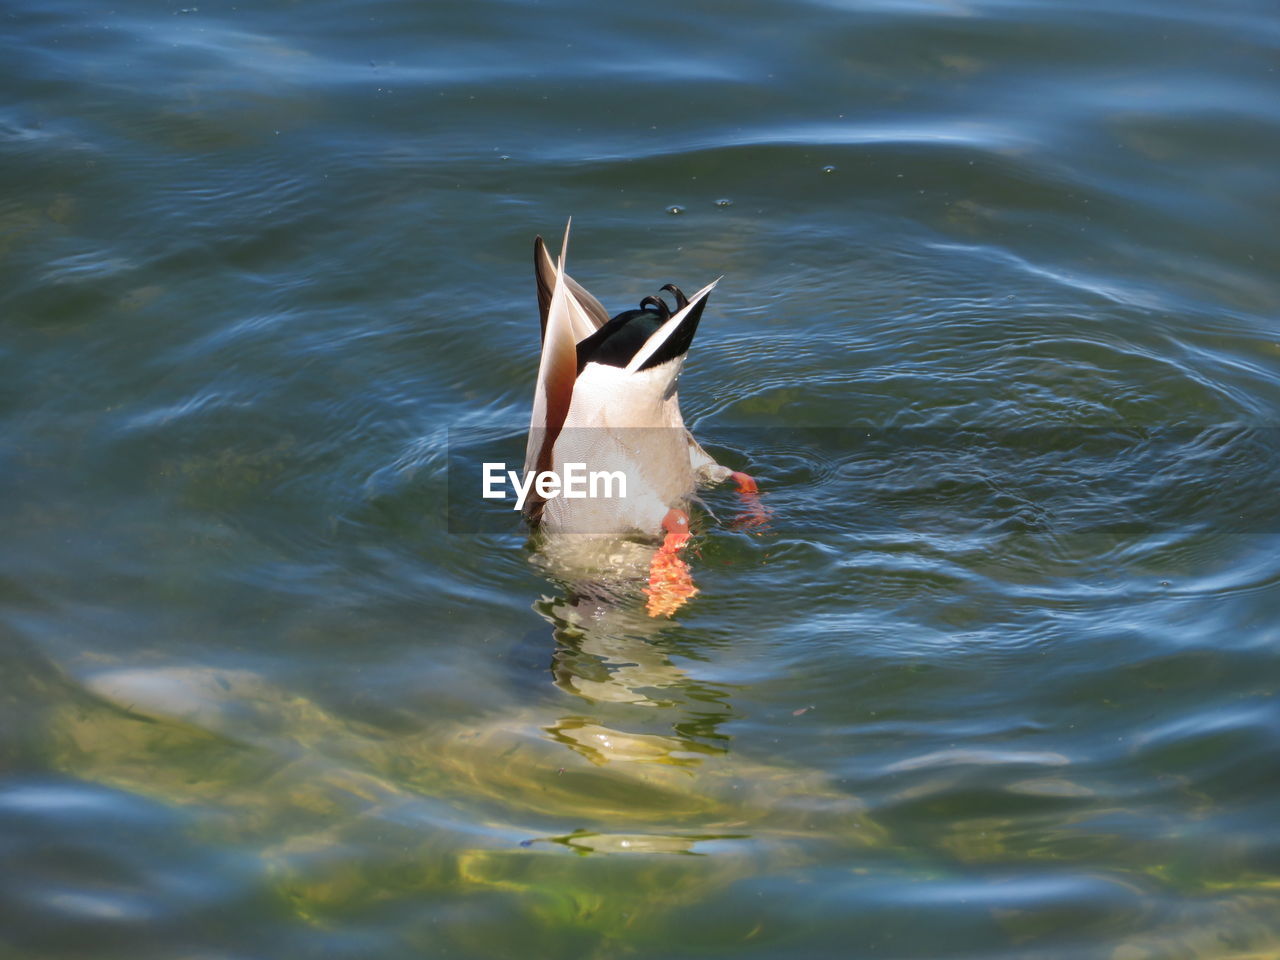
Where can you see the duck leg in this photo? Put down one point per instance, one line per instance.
(670, 582)
(753, 512)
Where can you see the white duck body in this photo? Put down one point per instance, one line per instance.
(629, 423)
(609, 417)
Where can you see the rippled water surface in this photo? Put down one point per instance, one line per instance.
(997, 334)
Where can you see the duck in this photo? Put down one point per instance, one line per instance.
(606, 401)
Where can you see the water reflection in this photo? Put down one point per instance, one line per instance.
(605, 651)
(608, 651)
(584, 842)
(601, 744)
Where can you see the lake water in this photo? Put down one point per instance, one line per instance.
(998, 335)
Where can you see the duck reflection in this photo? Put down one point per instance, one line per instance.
(601, 744)
(584, 842)
(608, 651)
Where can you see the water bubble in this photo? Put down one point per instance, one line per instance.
(674, 209)
(829, 168)
(724, 202)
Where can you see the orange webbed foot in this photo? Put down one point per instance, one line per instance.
(753, 512)
(670, 581)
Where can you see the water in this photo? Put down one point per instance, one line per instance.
(997, 334)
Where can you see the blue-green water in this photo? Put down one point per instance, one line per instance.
(998, 335)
